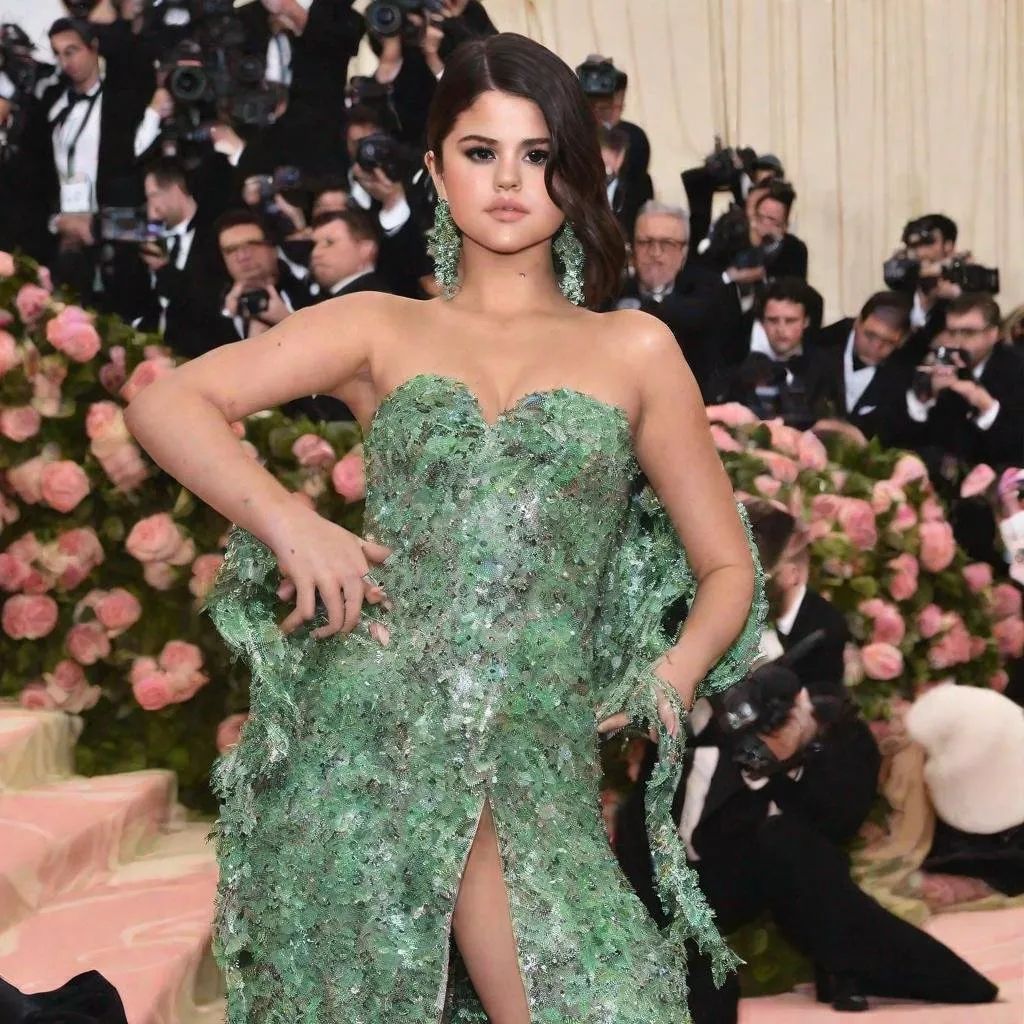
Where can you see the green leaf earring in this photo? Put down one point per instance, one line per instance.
(570, 259)
(446, 248)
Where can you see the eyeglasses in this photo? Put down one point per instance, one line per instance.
(966, 333)
(249, 246)
(881, 339)
(660, 244)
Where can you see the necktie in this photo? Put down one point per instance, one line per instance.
(858, 363)
(173, 245)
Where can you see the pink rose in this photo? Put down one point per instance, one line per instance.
(929, 621)
(153, 691)
(903, 519)
(857, 521)
(72, 333)
(105, 427)
(811, 452)
(932, 511)
(144, 374)
(178, 656)
(884, 495)
(142, 667)
(229, 732)
(36, 697)
(87, 642)
(27, 479)
(82, 546)
(784, 439)
(825, 506)
(9, 512)
(124, 467)
(998, 680)
(937, 546)
(1006, 601)
(19, 423)
(112, 377)
(882, 661)
(13, 573)
(780, 467)
(872, 607)
(767, 485)
(64, 485)
(159, 575)
(9, 357)
(29, 616)
(44, 277)
(889, 627)
(154, 539)
(47, 397)
(204, 572)
(349, 475)
(31, 302)
(903, 584)
(853, 666)
(185, 554)
(313, 452)
(839, 478)
(6, 264)
(723, 440)
(977, 481)
(978, 646)
(817, 529)
(978, 576)
(908, 469)
(732, 414)
(67, 675)
(1009, 635)
(118, 610)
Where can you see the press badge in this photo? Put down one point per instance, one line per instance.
(76, 194)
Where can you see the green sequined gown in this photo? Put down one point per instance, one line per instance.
(528, 580)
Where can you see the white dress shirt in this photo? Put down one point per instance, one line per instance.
(391, 221)
(79, 129)
(856, 382)
(784, 623)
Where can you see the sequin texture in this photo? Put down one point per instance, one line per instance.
(528, 582)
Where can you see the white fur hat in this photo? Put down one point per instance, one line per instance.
(974, 740)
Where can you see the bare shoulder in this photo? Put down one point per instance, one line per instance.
(641, 348)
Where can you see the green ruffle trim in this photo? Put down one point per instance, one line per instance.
(650, 574)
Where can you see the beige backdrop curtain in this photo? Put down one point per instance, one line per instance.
(879, 109)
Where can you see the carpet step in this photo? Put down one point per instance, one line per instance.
(36, 747)
(61, 837)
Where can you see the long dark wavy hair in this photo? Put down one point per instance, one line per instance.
(574, 173)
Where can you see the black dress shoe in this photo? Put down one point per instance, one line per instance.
(843, 991)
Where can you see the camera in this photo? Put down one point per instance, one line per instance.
(729, 243)
(253, 303)
(22, 71)
(943, 355)
(760, 704)
(902, 273)
(972, 277)
(391, 156)
(600, 78)
(774, 395)
(721, 163)
(128, 224)
(386, 18)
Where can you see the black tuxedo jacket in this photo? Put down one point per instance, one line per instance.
(372, 282)
(194, 323)
(118, 177)
(821, 669)
(810, 369)
(881, 411)
(951, 428)
(626, 203)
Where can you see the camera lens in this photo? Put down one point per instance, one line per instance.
(384, 19)
(187, 84)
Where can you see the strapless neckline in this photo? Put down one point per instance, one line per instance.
(508, 413)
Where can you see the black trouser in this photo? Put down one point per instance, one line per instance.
(803, 879)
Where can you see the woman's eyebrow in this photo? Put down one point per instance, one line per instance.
(494, 142)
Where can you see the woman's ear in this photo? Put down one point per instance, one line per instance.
(433, 169)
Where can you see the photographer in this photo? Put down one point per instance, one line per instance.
(779, 781)
(966, 404)
(263, 289)
(605, 86)
(84, 154)
(614, 149)
(413, 39)
(868, 383)
(344, 257)
(691, 300)
(386, 179)
(184, 264)
(782, 375)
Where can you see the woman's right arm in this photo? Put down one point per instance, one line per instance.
(183, 421)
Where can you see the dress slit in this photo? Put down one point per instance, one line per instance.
(443, 988)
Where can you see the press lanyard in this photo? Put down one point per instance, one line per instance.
(63, 118)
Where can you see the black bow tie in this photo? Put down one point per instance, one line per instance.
(858, 363)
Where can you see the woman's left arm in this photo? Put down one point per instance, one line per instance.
(673, 445)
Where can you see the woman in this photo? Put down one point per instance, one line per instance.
(429, 770)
